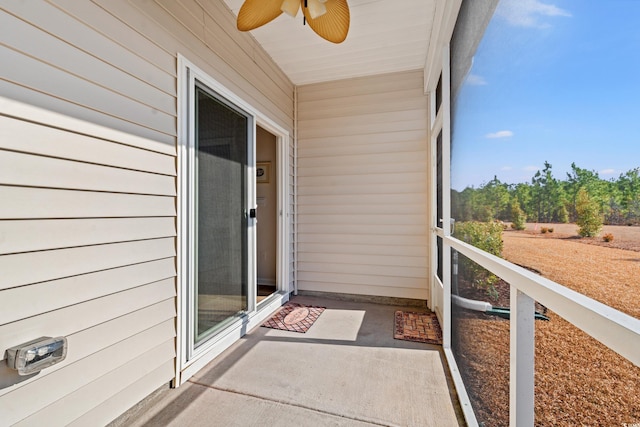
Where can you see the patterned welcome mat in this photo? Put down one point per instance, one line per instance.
(419, 327)
(294, 317)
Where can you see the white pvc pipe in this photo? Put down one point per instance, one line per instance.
(471, 304)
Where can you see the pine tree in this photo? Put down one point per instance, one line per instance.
(589, 218)
(518, 217)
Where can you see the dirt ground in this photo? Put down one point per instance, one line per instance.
(623, 237)
(578, 380)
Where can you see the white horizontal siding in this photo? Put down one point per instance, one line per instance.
(205, 33)
(328, 284)
(31, 72)
(364, 144)
(372, 242)
(364, 268)
(378, 188)
(79, 31)
(101, 332)
(355, 200)
(121, 401)
(362, 186)
(28, 202)
(60, 54)
(19, 136)
(212, 23)
(78, 317)
(355, 208)
(88, 143)
(78, 289)
(30, 170)
(18, 269)
(63, 383)
(87, 251)
(26, 236)
(364, 104)
(371, 124)
(362, 219)
(413, 165)
(104, 387)
(347, 88)
(379, 252)
(394, 233)
(102, 77)
(142, 52)
(53, 112)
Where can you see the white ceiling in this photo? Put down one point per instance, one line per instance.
(385, 36)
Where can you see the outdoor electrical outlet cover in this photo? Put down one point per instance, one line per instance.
(36, 355)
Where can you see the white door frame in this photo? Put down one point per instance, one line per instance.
(189, 359)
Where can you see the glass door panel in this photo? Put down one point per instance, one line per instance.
(221, 249)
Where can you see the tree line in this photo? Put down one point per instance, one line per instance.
(548, 199)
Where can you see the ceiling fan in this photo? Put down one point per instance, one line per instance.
(327, 18)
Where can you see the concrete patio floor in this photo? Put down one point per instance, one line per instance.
(347, 370)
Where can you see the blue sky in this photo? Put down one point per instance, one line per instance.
(554, 80)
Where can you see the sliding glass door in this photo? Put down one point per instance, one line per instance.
(221, 240)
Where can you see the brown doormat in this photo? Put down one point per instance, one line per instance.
(294, 317)
(419, 327)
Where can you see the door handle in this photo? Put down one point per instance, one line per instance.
(252, 213)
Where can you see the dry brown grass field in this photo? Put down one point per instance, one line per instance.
(578, 380)
(624, 237)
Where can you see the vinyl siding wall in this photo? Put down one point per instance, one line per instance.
(88, 189)
(362, 186)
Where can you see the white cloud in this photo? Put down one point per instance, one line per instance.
(531, 168)
(475, 80)
(528, 13)
(607, 171)
(499, 134)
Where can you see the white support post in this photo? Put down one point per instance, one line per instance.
(522, 336)
(446, 195)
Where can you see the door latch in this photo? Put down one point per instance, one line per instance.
(252, 213)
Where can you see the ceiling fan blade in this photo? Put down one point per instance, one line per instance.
(333, 25)
(290, 7)
(256, 13)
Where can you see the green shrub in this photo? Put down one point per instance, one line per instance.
(483, 235)
(589, 217)
(488, 237)
(518, 216)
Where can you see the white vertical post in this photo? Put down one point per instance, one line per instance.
(446, 196)
(522, 346)
(431, 199)
(295, 191)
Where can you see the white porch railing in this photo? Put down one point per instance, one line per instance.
(618, 331)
